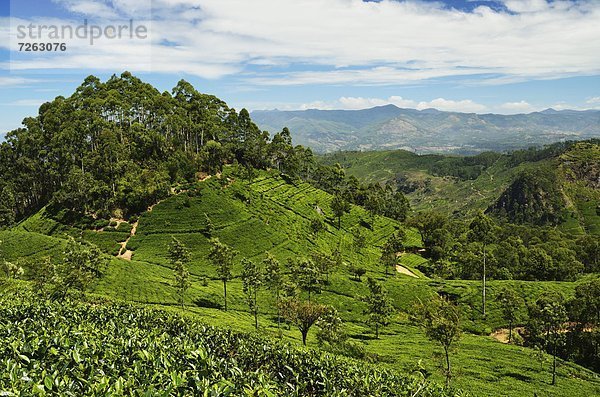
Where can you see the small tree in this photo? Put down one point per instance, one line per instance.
(208, 226)
(330, 328)
(339, 206)
(379, 307)
(303, 314)
(358, 272)
(482, 230)
(389, 252)
(221, 255)
(274, 282)
(511, 302)
(546, 324)
(306, 275)
(252, 279)
(317, 225)
(179, 257)
(441, 321)
(82, 263)
(359, 239)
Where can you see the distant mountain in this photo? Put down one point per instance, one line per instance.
(429, 130)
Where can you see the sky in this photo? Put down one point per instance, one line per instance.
(502, 56)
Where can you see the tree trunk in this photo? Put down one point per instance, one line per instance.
(376, 330)
(304, 334)
(255, 311)
(225, 293)
(554, 364)
(509, 331)
(448, 369)
(483, 293)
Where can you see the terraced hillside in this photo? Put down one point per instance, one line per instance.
(271, 213)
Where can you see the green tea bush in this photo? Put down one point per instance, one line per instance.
(100, 348)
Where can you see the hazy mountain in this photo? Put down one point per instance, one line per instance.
(429, 130)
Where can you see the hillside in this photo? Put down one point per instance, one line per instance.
(183, 207)
(272, 214)
(430, 130)
(461, 185)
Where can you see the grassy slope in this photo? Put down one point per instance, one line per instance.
(455, 196)
(276, 219)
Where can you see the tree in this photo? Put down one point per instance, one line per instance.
(307, 275)
(379, 307)
(208, 226)
(359, 239)
(433, 228)
(393, 245)
(179, 257)
(441, 321)
(221, 256)
(274, 282)
(82, 263)
(303, 314)
(252, 279)
(547, 317)
(339, 206)
(482, 230)
(511, 303)
(316, 225)
(357, 272)
(330, 328)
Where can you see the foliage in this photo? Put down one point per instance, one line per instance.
(252, 279)
(179, 257)
(379, 308)
(441, 321)
(101, 348)
(221, 255)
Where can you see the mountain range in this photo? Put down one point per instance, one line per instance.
(429, 130)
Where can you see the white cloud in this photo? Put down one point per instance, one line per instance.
(593, 101)
(346, 41)
(13, 81)
(355, 103)
(517, 107)
(26, 102)
(464, 106)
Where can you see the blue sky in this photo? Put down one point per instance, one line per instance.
(505, 56)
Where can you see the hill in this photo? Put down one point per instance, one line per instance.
(462, 185)
(430, 130)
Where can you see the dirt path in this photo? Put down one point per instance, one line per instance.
(402, 270)
(501, 334)
(126, 254)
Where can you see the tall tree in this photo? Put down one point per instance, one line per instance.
(441, 321)
(379, 306)
(274, 282)
(221, 256)
(511, 303)
(547, 317)
(180, 258)
(252, 279)
(339, 206)
(389, 252)
(307, 275)
(482, 230)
